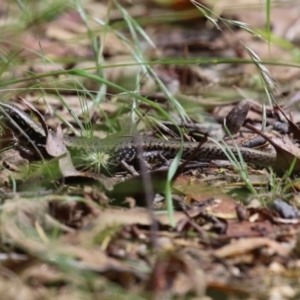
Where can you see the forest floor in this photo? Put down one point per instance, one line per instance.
(175, 70)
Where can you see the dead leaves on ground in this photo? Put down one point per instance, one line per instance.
(209, 225)
(110, 240)
(68, 246)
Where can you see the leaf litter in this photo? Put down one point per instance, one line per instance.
(80, 241)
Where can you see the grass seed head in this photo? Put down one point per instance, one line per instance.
(96, 160)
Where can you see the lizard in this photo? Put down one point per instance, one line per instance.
(127, 149)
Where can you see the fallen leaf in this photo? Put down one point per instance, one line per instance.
(175, 272)
(246, 245)
(55, 147)
(197, 192)
(141, 216)
(237, 116)
(286, 152)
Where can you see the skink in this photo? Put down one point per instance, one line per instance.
(127, 149)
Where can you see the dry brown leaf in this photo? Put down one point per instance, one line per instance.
(237, 116)
(117, 217)
(177, 273)
(246, 229)
(55, 147)
(12, 160)
(196, 191)
(286, 151)
(245, 245)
